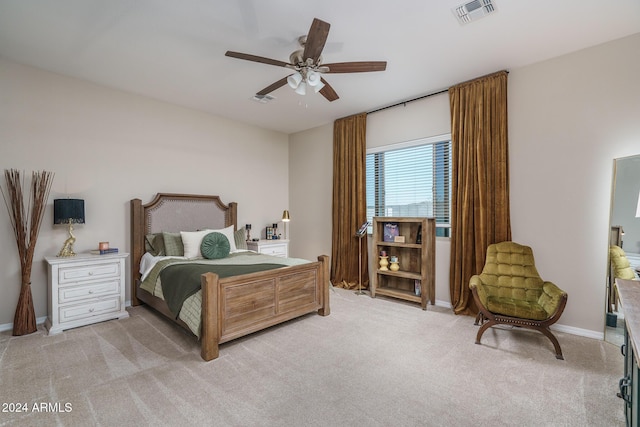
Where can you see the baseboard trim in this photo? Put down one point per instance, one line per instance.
(578, 331)
(9, 326)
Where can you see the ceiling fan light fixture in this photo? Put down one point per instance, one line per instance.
(301, 89)
(313, 78)
(294, 80)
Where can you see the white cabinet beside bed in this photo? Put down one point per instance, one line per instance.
(279, 247)
(85, 289)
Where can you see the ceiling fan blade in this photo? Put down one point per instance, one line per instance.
(273, 86)
(255, 58)
(356, 67)
(316, 39)
(328, 92)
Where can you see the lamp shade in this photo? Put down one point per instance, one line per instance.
(313, 78)
(285, 216)
(294, 80)
(301, 89)
(68, 211)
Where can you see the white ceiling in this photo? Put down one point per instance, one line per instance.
(174, 50)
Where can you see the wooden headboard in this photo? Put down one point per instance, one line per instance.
(174, 213)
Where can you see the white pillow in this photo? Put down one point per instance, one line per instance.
(193, 239)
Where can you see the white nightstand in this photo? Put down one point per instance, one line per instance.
(85, 289)
(279, 248)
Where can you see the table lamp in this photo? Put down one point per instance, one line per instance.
(68, 211)
(285, 220)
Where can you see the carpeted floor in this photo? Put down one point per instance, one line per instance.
(372, 362)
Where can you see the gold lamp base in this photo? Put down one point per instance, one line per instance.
(67, 248)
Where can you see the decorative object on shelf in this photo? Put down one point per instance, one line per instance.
(271, 233)
(419, 235)
(68, 211)
(398, 239)
(384, 262)
(390, 231)
(25, 221)
(248, 228)
(285, 219)
(103, 245)
(394, 264)
(417, 287)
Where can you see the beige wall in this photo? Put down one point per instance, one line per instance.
(108, 147)
(568, 119)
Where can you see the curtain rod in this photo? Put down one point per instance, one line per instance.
(410, 100)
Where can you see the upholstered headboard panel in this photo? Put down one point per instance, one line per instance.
(173, 214)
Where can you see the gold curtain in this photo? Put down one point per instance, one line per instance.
(349, 201)
(479, 180)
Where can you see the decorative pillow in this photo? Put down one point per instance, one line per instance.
(191, 241)
(173, 244)
(154, 244)
(228, 231)
(240, 236)
(215, 246)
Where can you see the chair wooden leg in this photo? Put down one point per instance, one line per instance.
(479, 318)
(483, 328)
(554, 341)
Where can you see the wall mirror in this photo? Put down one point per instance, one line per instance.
(624, 232)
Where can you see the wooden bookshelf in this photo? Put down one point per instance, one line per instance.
(416, 259)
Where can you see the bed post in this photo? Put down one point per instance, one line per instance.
(137, 247)
(209, 326)
(325, 310)
(233, 215)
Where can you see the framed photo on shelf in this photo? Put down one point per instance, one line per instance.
(391, 230)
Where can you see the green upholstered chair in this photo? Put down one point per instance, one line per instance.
(620, 269)
(620, 264)
(510, 291)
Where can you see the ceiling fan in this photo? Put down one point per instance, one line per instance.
(308, 65)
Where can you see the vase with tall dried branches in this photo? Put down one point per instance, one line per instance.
(26, 221)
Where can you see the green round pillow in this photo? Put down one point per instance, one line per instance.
(215, 246)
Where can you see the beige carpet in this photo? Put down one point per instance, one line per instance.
(372, 362)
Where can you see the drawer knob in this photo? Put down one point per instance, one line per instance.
(91, 310)
(90, 291)
(91, 273)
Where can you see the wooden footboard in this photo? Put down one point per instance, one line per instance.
(236, 306)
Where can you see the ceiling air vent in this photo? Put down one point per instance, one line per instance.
(263, 99)
(474, 10)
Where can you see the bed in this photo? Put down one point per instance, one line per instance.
(234, 306)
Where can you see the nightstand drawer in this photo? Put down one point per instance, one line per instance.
(85, 310)
(73, 274)
(94, 290)
(276, 250)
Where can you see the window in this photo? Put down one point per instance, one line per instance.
(411, 179)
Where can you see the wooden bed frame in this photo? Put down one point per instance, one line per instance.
(234, 306)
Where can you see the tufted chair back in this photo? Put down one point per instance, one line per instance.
(510, 272)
